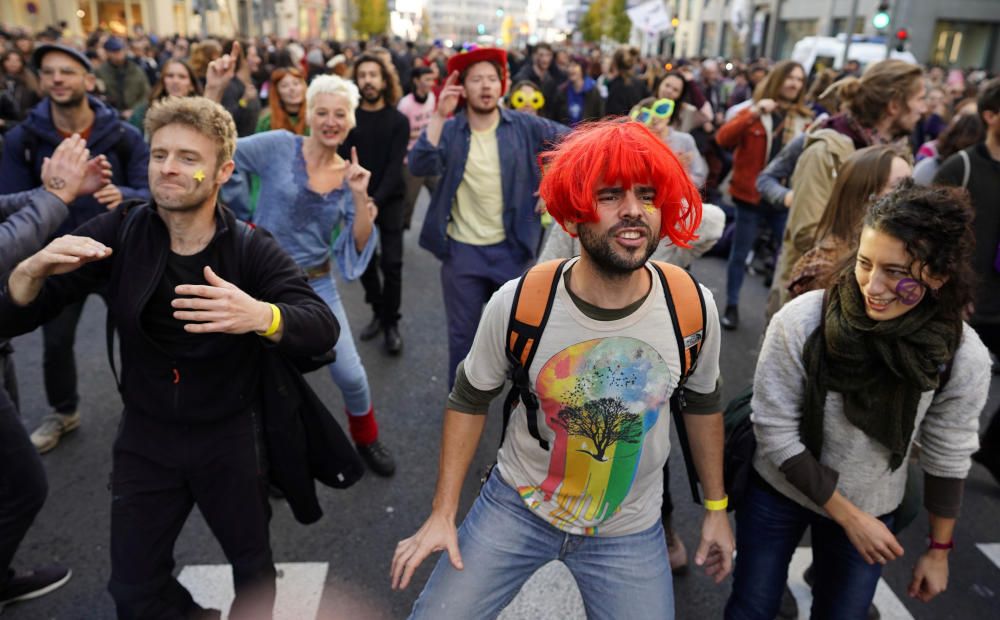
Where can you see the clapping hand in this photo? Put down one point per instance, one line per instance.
(68, 173)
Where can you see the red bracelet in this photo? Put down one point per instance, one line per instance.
(933, 544)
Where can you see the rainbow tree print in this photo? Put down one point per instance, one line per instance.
(600, 398)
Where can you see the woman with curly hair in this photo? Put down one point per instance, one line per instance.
(847, 379)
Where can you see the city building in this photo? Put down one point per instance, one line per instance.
(958, 33)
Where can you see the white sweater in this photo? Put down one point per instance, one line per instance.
(946, 425)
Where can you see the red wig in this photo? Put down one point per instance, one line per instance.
(621, 153)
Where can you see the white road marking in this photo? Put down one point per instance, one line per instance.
(992, 551)
(300, 588)
(888, 604)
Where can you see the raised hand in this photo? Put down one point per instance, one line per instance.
(450, 95)
(764, 106)
(63, 173)
(96, 175)
(219, 307)
(357, 176)
(220, 72)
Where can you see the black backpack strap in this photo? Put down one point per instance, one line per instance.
(686, 306)
(533, 299)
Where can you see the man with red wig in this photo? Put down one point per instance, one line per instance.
(481, 221)
(588, 491)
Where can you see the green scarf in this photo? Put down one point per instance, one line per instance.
(881, 368)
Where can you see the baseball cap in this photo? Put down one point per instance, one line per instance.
(75, 54)
(114, 44)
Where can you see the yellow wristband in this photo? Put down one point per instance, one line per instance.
(717, 504)
(275, 322)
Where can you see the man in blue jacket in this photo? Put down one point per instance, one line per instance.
(27, 220)
(66, 77)
(482, 222)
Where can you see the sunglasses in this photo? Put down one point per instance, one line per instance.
(661, 108)
(519, 100)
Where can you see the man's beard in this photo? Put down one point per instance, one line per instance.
(183, 202)
(478, 109)
(609, 263)
(74, 101)
(371, 95)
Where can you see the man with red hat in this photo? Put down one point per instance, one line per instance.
(481, 221)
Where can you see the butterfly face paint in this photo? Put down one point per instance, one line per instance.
(910, 291)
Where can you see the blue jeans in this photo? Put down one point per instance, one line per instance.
(469, 277)
(503, 543)
(347, 371)
(768, 529)
(748, 218)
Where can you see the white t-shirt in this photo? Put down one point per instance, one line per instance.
(603, 389)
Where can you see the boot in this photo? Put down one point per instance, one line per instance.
(731, 319)
(371, 330)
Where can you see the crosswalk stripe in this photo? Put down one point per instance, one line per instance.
(888, 604)
(300, 588)
(992, 551)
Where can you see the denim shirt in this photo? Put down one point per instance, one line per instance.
(520, 137)
(303, 221)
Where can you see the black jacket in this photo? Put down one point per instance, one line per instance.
(223, 381)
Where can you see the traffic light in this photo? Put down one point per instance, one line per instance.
(902, 36)
(481, 28)
(881, 19)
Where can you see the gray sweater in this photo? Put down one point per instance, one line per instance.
(27, 220)
(946, 425)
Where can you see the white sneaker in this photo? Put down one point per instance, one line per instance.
(52, 428)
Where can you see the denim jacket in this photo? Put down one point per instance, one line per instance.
(520, 137)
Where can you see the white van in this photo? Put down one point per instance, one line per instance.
(818, 53)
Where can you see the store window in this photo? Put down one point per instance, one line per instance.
(963, 44)
(709, 39)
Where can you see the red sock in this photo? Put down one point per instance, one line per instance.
(364, 428)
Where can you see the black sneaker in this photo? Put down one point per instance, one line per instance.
(393, 341)
(371, 330)
(39, 582)
(731, 318)
(377, 458)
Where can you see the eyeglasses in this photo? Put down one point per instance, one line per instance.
(519, 100)
(661, 108)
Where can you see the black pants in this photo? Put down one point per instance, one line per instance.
(385, 293)
(58, 359)
(22, 478)
(161, 471)
(990, 441)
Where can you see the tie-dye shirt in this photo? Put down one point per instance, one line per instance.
(603, 389)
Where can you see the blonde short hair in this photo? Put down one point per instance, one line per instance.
(334, 85)
(203, 115)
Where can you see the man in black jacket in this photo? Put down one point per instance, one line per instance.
(381, 136)
(195, 306)
(977, 169)
(27, 220)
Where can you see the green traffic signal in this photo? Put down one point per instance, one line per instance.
(881, 20)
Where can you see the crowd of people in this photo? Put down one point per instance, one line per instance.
(212, 192)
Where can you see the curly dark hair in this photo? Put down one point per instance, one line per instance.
(935, 226)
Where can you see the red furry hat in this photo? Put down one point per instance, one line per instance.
(618, 152)
(463, 60)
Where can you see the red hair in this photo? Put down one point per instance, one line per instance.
(621, 153)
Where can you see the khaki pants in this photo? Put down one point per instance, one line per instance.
(413, 185)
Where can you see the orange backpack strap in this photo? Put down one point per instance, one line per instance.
(686, 305)
(529, 313)
(687, 312)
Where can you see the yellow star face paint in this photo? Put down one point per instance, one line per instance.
(649, 207)
(199, 175)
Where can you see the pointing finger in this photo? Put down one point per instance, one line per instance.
(354, 155)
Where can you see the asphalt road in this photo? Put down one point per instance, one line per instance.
(362, 524)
